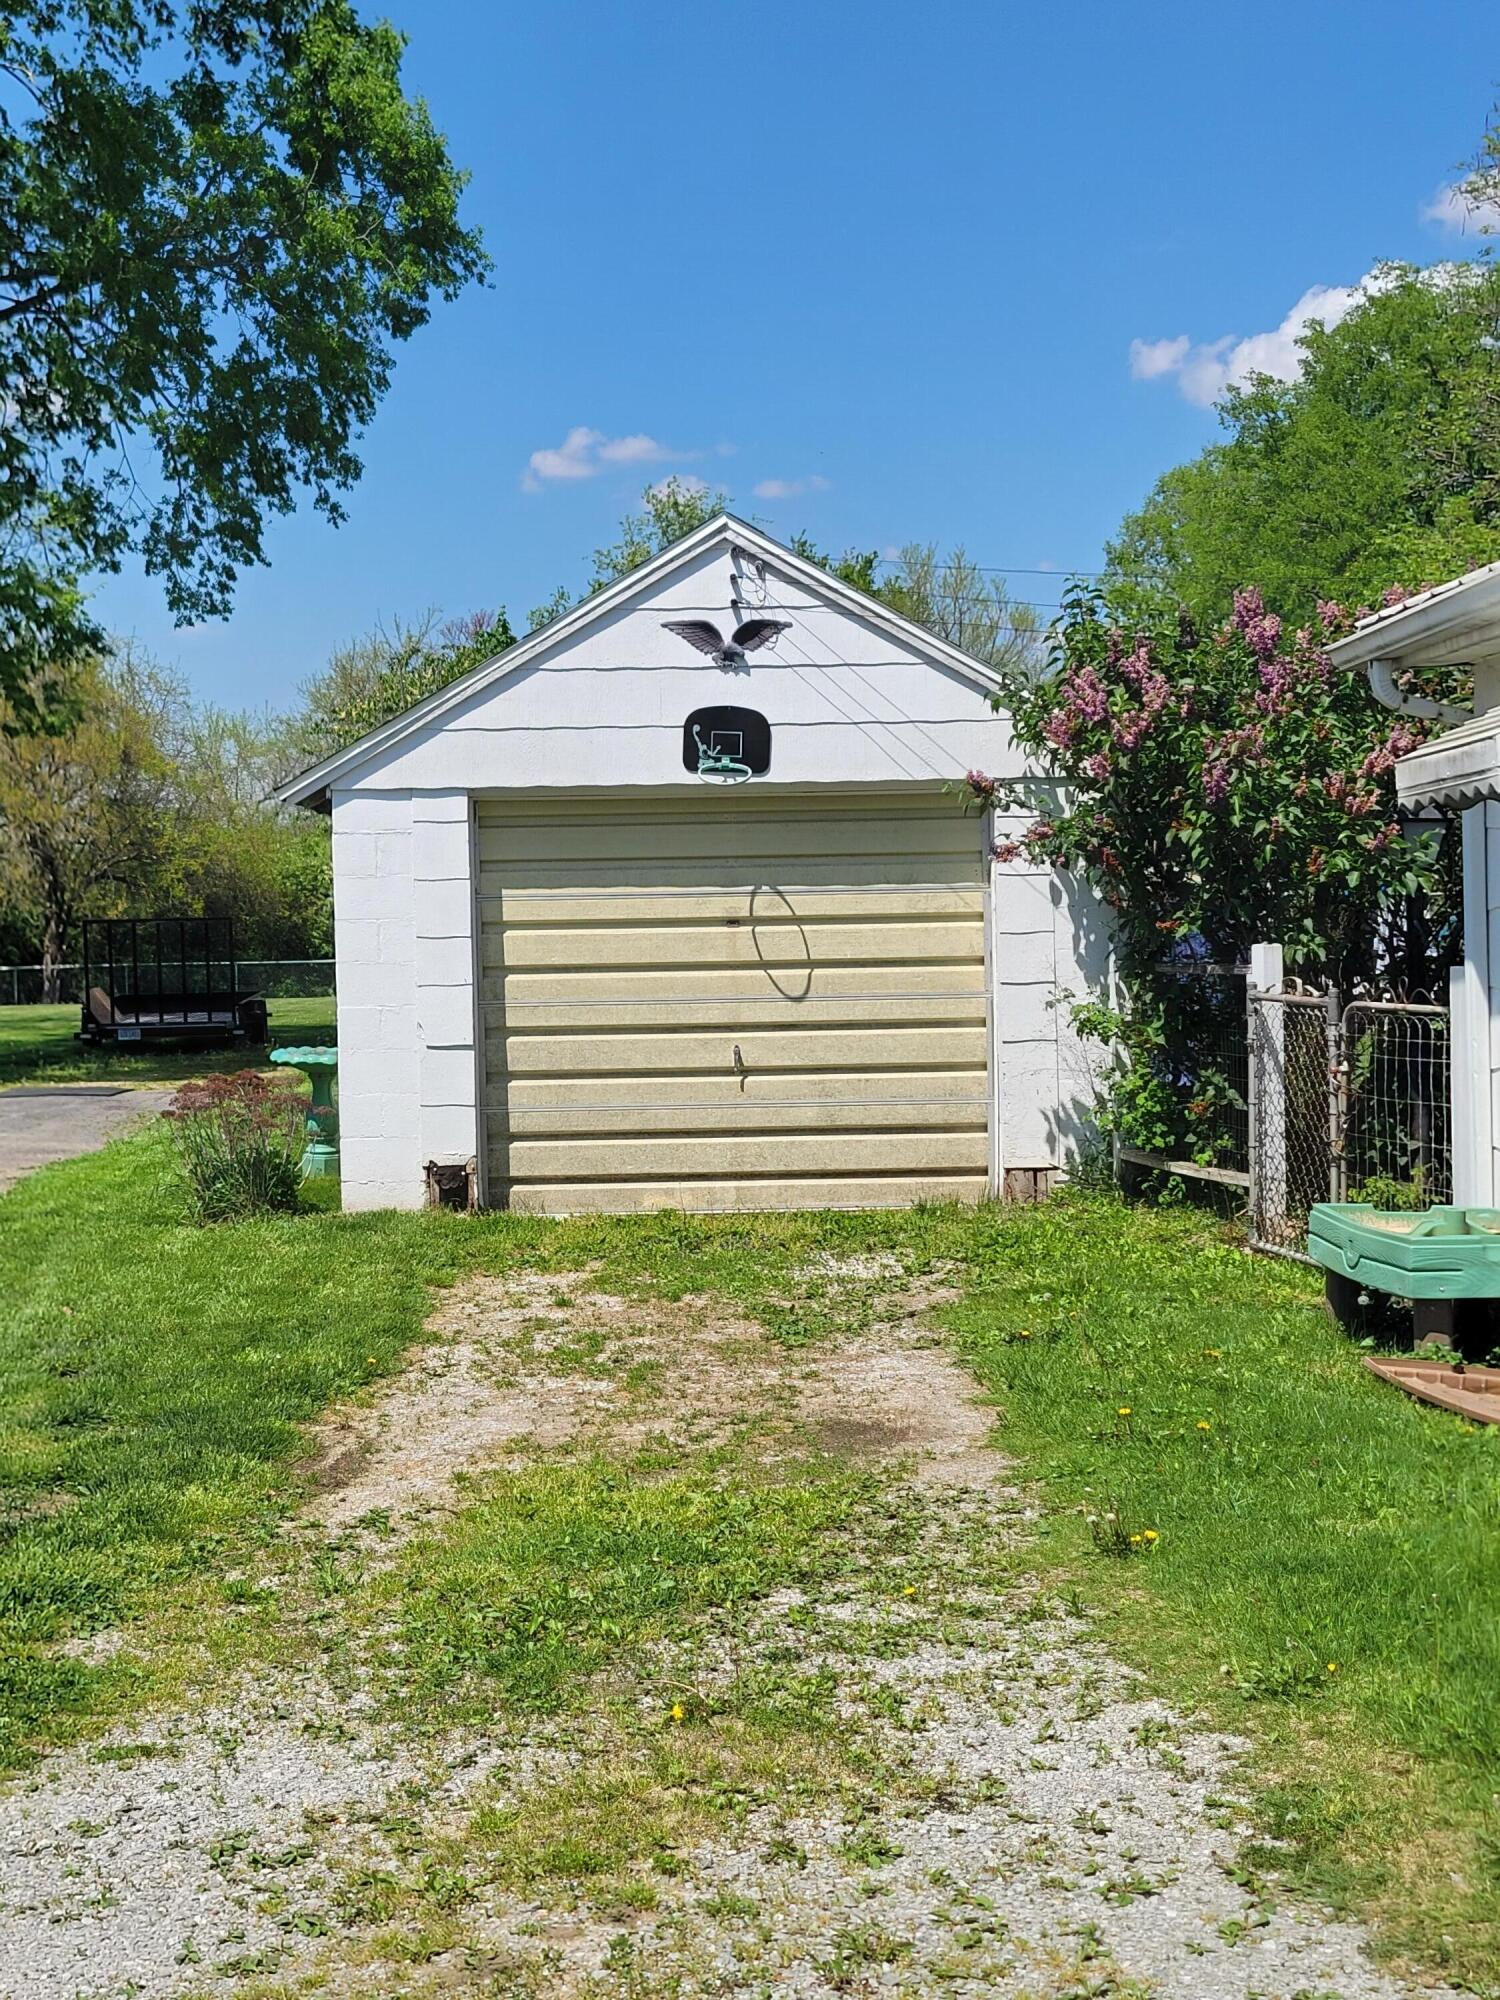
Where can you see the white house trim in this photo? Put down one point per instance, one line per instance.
(1457, 624)
(724, 530)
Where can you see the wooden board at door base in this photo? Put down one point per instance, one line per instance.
(740, 1002)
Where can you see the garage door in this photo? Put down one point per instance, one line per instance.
(740, 1002)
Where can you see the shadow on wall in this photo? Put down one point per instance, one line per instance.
(1073, 1126)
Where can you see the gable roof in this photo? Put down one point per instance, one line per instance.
(310, 787)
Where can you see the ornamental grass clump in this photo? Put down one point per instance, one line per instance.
(239, 1141)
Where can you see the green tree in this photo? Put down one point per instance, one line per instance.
(1378, 467)
(215, 222)
(84, 811)
(226, 851)
(954, 598)
(385, 673)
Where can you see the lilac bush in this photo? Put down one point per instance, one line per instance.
(1218, 789)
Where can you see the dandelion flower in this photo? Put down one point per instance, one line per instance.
(1204, 1424)
(910, 1590)
(371, 1362)
(1213, 1354)
(1024, 1334)
(1150, 1535)
(1123, 1411)
(1135, 1541)
(1333, 1666)
(679, 1713)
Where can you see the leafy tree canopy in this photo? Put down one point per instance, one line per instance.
(215, 221)
(1378, 467)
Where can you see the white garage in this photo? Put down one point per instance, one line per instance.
(626, 919)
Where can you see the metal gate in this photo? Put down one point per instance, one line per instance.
(1347, 1103)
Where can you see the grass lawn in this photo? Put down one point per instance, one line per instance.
(37, 1046)
(1317, 1559)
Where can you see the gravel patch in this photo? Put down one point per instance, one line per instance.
(1036, 1828)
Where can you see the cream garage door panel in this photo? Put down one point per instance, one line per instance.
(740, 1003)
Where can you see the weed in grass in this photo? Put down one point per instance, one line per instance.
(560, 1566)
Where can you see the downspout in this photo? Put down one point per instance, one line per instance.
(1383, 686)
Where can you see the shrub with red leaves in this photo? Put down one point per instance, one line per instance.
(239, 1140)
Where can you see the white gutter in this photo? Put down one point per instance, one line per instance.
(1389, 695)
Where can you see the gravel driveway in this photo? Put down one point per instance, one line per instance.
(40, 1123)
(1017, 1819)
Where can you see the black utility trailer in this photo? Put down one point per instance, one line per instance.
(166, 979)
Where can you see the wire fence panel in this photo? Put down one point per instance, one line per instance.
(1396, 1136)
(1347, 1104)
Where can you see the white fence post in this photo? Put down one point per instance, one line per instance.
(1268, 1133)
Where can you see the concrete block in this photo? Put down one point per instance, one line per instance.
(370, 896)
(1022, 902)
(437, 808)
(450, 1133)
(1027, 1013)
(1024, 958)
(398, 939)
(397, 1030)
(385, 984)
(444, 909)
(440, 851)
(356, 941)
(445, 1016)
(448, 1076)
(371, 812)
(446, 962)
(357, 853)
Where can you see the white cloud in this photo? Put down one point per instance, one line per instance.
(1150, 358)
(791, 489)
(585, 453)
(1450, 208)
(1205, 369)
(638, 449)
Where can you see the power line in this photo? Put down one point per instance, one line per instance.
(999, 569)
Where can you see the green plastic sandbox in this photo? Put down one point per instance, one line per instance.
(1436, 1253)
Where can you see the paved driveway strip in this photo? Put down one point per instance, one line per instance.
(40, 1123)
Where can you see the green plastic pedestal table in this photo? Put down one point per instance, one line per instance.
(321, 1160)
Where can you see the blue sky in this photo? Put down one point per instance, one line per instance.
(885, 263)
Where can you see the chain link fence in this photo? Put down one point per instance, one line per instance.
(1346, 1104)
(276, 978)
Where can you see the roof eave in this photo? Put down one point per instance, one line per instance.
(1455, 624)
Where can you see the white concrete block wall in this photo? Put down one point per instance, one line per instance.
(376, 947)
(1049, 948)
(1023, 974)
(446, 1010)
(1482, 992)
